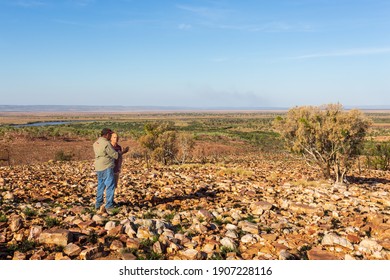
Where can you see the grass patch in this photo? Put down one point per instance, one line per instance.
(150, 241)
(154, 256)
(90, 210)
(128, 251)
(268, 230)
(29, 212)
(303, 252)
(148, 215)
(92, 237)
(115, 211)
(305, 183)
(335, 223)
(250, 219)
(235, 171)
(169, 216)
(51, 222)
(3, 218)
(63, 156)
(218, 222)
(179, 228)
(222, 254)
(24, 246)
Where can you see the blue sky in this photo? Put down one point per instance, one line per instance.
(248, 53)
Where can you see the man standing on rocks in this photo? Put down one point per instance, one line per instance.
(105, 156)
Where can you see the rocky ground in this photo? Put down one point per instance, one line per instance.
(248, 207)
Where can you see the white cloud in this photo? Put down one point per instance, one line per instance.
(222, 19)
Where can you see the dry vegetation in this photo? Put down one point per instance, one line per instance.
(239, 195)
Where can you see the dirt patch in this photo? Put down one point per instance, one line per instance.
(33, 151)
(24, 150)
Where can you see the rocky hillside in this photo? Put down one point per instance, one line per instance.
(249, 207)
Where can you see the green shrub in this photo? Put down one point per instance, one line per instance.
(377, 155)
(3, 218)
(92, 237)
(51, 222)
(29, 212)
(326, 136)
(62, 156)
(24, 246)
(160, 142)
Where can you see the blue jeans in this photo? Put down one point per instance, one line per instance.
(106, 181)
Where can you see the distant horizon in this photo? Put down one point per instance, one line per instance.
(135, 108)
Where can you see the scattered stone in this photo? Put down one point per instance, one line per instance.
(285, 255)
(194, 212)
(77, 210)
(248, 238)
(209, 248)
(39, 255)
(248, 227)
(8, 196)
(353, 238)
(144, 233)
(19, 256)
(303, 208)
(205, 214)
(115, 231)
(369, 246)
(91, 253)
(157, 248)
(259, 207)
(16, 223)
(333, 240)
(385, 244)
(231, 227)
(60, 237)
(127, 255)
(72, 250)
(110, 225)
(318, 254)
(191, 254)
(228, 243)
(133, 243)
(116, 245)
(232, 234)
(270, 237)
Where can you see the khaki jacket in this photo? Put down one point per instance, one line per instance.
(105, 155)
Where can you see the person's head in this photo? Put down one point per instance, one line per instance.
(114, 138)
(106, 133)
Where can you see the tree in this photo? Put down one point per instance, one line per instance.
(185, 143)
(154, 142)
(166, 150)
(164, 144)
(326, 136)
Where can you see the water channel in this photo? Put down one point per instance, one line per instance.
(42, 123)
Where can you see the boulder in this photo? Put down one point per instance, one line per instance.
(60, 237)
(332, 239)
